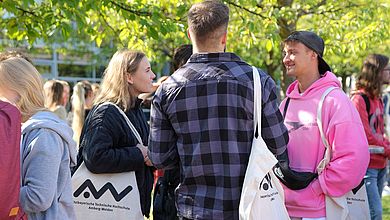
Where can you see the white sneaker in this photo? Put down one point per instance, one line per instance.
(386, 191)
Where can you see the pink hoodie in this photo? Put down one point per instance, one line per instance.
(343, 129)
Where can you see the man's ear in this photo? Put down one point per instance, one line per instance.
(224, 38)
(314, 55)
(188, 33)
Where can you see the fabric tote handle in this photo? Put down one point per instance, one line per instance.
(256, 101)
(135, 132)
(328, 153)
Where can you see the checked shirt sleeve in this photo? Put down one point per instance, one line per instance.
(274, 132)
(162, 139)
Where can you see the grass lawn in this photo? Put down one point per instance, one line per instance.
(386, 207)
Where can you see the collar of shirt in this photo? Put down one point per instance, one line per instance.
(214, 57)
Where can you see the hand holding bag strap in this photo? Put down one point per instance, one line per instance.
(327, 155)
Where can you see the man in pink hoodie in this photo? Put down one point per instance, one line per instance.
(342, 127)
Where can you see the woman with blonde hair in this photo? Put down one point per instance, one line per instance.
(78, 112)
(54, 100)
(82, 101)
(107, 144)
(47, 148)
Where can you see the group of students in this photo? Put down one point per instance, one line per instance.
(201, 129)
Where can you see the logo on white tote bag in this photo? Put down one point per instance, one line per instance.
(98, 193)
(267, 189)
(266, 183)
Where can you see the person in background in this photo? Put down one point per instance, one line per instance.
(180, 57)
(47, 148)
(78, 110)
(107, 144)
(95, 89)
(202, 120)
(386, 116)
(54, 98)
(14, 53)
(368, 102)
(82, 101)
(65, 94)
(89, 96)
(343, 129)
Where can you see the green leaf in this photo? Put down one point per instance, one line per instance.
(98, 40)
(153, 33)
(268, 45)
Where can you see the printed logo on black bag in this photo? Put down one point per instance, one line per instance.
(266, 183)
(97, 194)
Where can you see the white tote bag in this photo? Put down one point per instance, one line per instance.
(354, 204)
(109, 195)
(262, 195)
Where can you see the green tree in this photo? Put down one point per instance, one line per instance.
(351, 28)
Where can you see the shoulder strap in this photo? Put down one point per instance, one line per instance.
(327, 155)
(131, 126)
(286, 106)
(257, 101)
(367, 101)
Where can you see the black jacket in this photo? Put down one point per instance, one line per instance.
(107, 145)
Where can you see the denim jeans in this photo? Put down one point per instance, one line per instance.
(374, 180)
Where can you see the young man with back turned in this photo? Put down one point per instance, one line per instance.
(202, 120)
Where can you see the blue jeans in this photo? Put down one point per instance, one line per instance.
(374, 180)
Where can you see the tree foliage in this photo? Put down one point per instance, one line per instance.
(351, 28)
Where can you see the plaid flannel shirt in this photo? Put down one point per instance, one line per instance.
(202, 121)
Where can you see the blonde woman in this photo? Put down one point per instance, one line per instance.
(78, 112)
(82, 102)
(47, 148)
(107, 145)
(54, 100)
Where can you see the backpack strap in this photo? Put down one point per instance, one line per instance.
(328, 151)
(286, 106)
(367, 101)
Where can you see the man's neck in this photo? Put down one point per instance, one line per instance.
(198, 49)
(304, 82)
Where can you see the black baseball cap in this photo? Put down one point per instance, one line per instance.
(315, 43)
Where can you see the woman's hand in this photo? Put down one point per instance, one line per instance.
(144, 151)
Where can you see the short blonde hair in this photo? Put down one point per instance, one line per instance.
(22, 77)
(114, 86)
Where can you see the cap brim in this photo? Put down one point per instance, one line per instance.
(323, 67)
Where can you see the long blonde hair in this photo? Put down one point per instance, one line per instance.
(22, 77)
(78, 102)
(114, 86)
